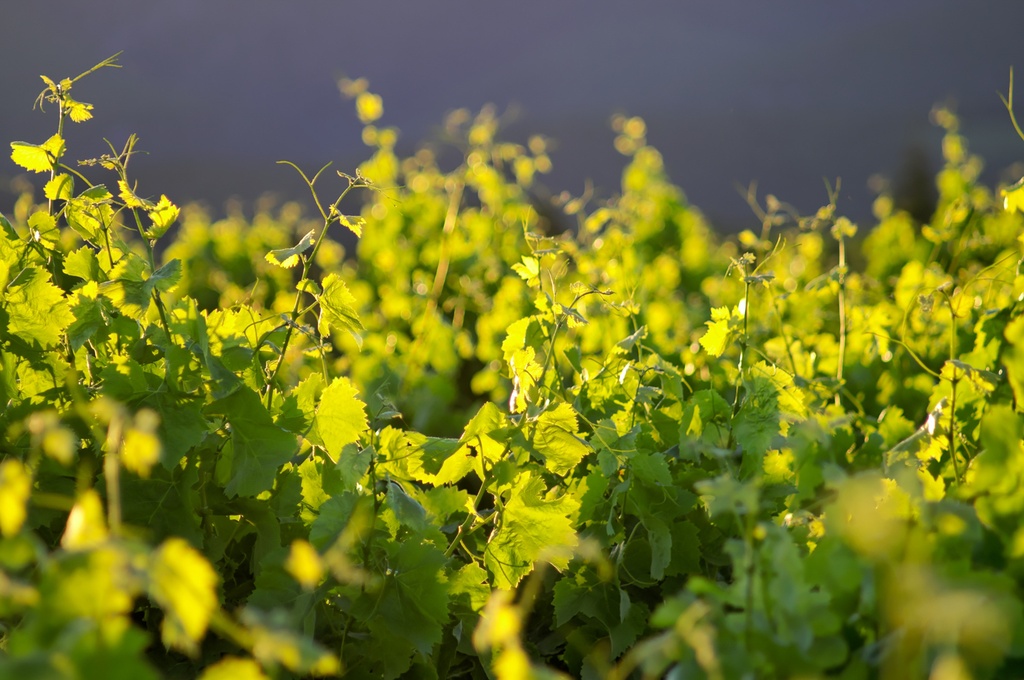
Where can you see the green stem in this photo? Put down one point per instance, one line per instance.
(329, 218)
(842, 315)
(741, 365)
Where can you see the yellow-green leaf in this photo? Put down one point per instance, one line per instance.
(720, 331)
(15, 488)
(558, 440)
(38, 157)
(289, 257)
(61, 187)
(353, 224)
(304, 564)
(37, 309)
(184, 584)
(130, 198)
(1013, 196)
(162, 215)
(234, 668)
(79, 112)
(534, 525)
(337, 307)
(340, 417)
(141, 449)
(86, 525)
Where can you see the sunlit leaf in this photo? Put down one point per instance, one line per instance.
(340, 417)
(184, 584)
(289, 257)
(337, 307)
(15, 488)
(234, 668)
(38, 157)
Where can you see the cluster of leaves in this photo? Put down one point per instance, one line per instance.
(506, 439)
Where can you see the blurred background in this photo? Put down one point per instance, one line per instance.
(782, 93)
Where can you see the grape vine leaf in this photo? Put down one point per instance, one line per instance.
(184, 584)
(162, 216)
(289, 257)
(408, 613)
(259, 447)
(337, 308)
(131, 289)
(721, 329)
(534, 525)
(557, 439)
(273, 642)
(340, 418)
(38, 157)
(36, 308)
(234, 668)
(15, 488)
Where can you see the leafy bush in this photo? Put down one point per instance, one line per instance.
(488, 447)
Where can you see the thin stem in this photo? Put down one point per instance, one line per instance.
(842, 315)
(112, 474)
(329, 216)
(1008, 103)
(953, 384)
(743, 347)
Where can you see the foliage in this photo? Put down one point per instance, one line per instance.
(505, 441)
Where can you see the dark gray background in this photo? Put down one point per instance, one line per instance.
(784, 92)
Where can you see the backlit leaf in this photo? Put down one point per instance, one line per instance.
(38, 157)
(337, 307)
(289, 257)
(61, 188)
(534, 525)
(340, 417)
(184, 584)
(162, 216)
(259, 447)
(15, 488)
(37, 308)
(558, 440)
(234, 668)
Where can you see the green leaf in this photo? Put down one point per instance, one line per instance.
(409, 611)
(37, 308)
(259, 447)
(15, 488)
(353, 224)
(131, 199)
(721, 329)
(60, 188)
(626, 344)
(90, 213)
(78, 112)
(274, 643)
(162, 216)
(528, 269)
(289, 257)
(534, 525)
(164, 503)
(234, 668)
(184, 584)
(1013, 196)
(340, 417)
(83, 264)
(43, 226)
(38, 157)
(131, 289)
(558, 440)
(337, 308)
